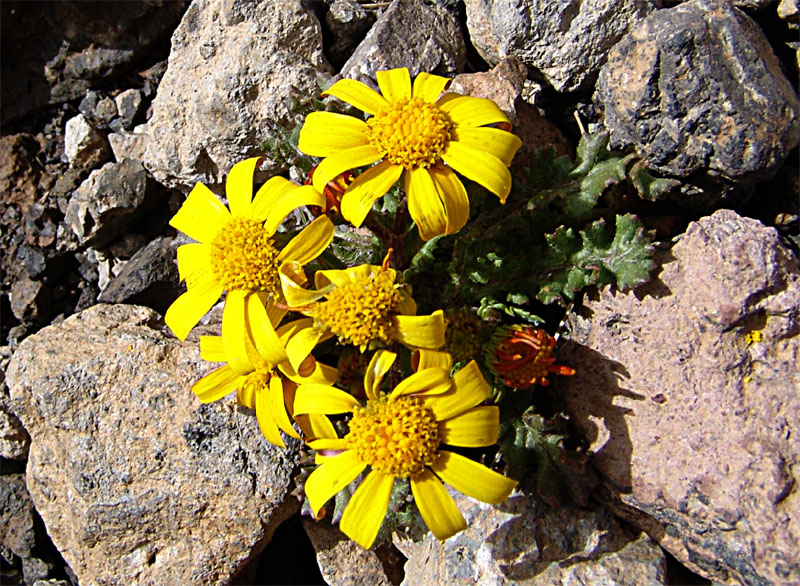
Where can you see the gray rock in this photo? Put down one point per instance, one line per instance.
(105, 111)
(129, 103)
(698, 92)
(14, 440)
(149, 278)
(232, 67)
(16, 515)
(104, 205)
(85, 146)
(348, 23)
(524, 541)
(566, 42)
(433, 43)
(30, 301)
(136, 481)
(691, 421)
(789, 10)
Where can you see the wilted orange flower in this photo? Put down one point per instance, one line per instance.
(522, 356)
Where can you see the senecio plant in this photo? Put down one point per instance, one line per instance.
(381, 313)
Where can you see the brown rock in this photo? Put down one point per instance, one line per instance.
(19, 172)
(137, 482)
(692, 421)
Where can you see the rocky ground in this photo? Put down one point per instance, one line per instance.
(113, 474)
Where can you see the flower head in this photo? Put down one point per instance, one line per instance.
(237, 251)
(268, 383)
(522, 356)
(404, 434)
(414, 132)
(363, 306)
(465, 336)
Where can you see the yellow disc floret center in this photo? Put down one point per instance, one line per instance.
(359, 312)
(244, 257)
(412, 133)
(394, 436)
(255, 382)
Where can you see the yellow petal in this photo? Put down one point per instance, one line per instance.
(239, 186)
(378, 366)
(315, 426)
(304, 195)
(186, 310)
(453, 195)
(234, 332)
(338, 444)
(317, 398)
(494, 141)
(468, 111)
(364, 514)
(420, 331)
(481, 167)
(340, 277)
(216, 385)
(424, 204)
(342, 161)
(293, 293)
(287, 330)
(434, 359)
(193, 262)
(473, 479)
(326, 133)
(436, 506)
(357, 94)
(469, 389)
(301, 345)
(331, 477)
(475, 428)
(407, 305)
(421, 381)
(370, 185)
(265, 339)
(395, 84)
(309, 243)
(279, 407)
(429, 87)
(268, 196)
(201, 216)
(266, 418)
(274, 312)
(211, 349)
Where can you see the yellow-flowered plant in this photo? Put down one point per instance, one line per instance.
(405, 433)
(236, 251)
(417, 132)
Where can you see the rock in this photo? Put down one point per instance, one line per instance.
(136, 481)
(14, 440)
(105, 112)
(149, 278)
(232, 68)
(691, 420)
(433, 44)
(526, 542)
(128, 104)
(342, 561)
(566, 42)
(699, 94)
(84, 145)
(104, 205)
(789, 10)
(30, 301)
(33, 259)
(19, 175)
(347, 22)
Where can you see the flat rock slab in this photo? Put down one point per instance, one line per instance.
(136, 481)
(693, 421)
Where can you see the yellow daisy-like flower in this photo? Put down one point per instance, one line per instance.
(414, 129)
(269, 384)
(402, 434)
(363, 306)
(236, 251)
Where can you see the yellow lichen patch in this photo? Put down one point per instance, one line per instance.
(255, 382)
(397, 437)
(753, 337)
(243, 257)
(360, 312)
(412, 133)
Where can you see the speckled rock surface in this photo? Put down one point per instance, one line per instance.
(692, 422)
(567, 42)
(698, 92)
(136, 481)
(232, 67)
(524, 541)
(434, 43)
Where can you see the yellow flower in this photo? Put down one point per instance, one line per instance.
(236, 251)
(363, 306)
(269, 383)
(412, 129)
(402, 434)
